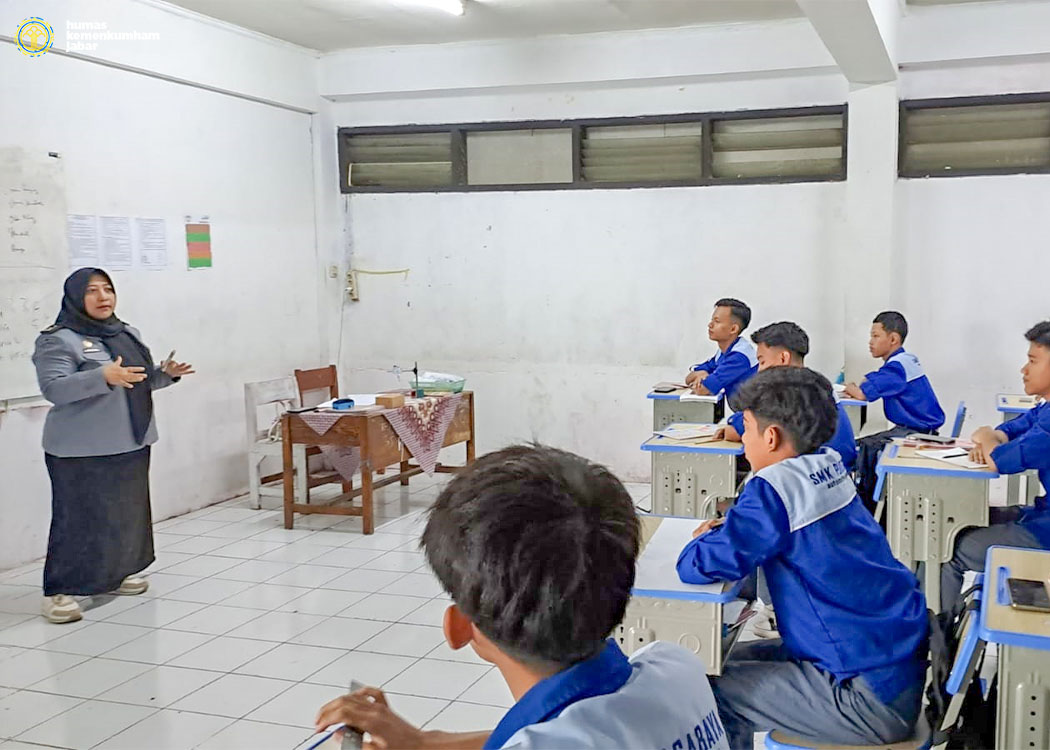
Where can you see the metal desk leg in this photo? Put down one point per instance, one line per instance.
(1023, 717)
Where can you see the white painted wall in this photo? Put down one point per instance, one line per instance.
(135, 145)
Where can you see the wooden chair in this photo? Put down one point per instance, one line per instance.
(316, 386)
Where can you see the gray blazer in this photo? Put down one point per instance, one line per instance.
(90, 417)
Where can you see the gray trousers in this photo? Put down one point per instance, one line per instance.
(971, 547)
(764, 688)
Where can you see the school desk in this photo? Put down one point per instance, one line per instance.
(857, 411)
(669, 408)
(690, 478)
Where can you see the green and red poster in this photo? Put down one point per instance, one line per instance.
(198, 244)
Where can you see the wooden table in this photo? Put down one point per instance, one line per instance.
(368, 430)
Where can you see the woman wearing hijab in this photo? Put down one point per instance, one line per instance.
(100, 377)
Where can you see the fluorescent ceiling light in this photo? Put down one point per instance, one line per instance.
(455, 7)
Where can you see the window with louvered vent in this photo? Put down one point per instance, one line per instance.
(1008, 137)
(410, 160)
(800, 147)
(643, 153)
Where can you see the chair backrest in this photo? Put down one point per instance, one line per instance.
(281, 391)
(320, 379)
(960, 417)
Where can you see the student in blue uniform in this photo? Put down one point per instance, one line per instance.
(735, 361)
(785, 344)
(1015, 446)
(537, 548)
(907, 397)
(851, 665)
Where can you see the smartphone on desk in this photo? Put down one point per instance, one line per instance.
(1028, 595)
(938, 439)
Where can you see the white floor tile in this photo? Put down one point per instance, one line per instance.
(247, 549)
(105, 606)
(154, 613)
(416, 584)
(163, 584)
(369, 669)
(266, 596)
(37, 631)
(432, 612)
(222, 654)
(159, 646)
(24, 710)
(291, 661)
(465, 655)
(386, 607)
(253, 735)
(202, 566)
(379, 541)
(310, 576)
(195, 527)
(232, 695)
(296, 707)
(196, 545)
(332, 537)
(404, 640)
(255, 571)
(405, 562)
(282, 535)
(346, 557)
(95, 638)
(340, 632)
(216, 619)
(467, 717)
(167, 559)
(27, 603)
(163, 540)
(296, 552)
(243, 529)
(168, 730)
(7, 620)
(363, 580)
(159, 687)
(31, 666)
(209, 591)
(490, 690)
(7, 652)
(430, 678)
(89, 678)
(86, 725)
(241, 514)
(319, 522)
(277, 626)
(414, 709)
(322, 602)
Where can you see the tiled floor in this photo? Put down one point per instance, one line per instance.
(246, 631)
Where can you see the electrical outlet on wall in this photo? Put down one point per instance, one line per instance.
(351, 285)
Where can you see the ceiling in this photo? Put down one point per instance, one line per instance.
(328, 25)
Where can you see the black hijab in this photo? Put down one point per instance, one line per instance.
(117, 340)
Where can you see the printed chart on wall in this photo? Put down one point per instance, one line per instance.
(117, 244)
(198, 242)
(32, 261)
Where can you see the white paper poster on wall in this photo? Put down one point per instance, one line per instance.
(151, 244)
(115, 236)
(82, 233)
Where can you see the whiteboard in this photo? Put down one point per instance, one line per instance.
(32, 261)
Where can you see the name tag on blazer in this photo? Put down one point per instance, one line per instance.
(92, 350)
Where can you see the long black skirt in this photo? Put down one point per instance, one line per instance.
(101, 525)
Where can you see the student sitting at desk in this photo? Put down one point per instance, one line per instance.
(735, 361)
(537, 548)
(785, 344)
(851, 665)
(907, 397)
(1015, 446)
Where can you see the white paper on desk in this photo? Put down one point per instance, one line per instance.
(698, 397)
(687, 432)
(951, 456)
(657, 563)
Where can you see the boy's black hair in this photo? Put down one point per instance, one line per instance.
(537, 547)
(785, 335)
(1039, 334)
(797, 400)
(893, 322)
(740, 312)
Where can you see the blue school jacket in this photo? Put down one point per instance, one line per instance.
(842, 442)
(727, 370)
(842, 601)
(1029, 448)
(907, 396)
(659, 698)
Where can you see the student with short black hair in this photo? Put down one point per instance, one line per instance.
(786, 344)
(1015, 446)
(735, 360)
(850, 667)
(537, 548)
(907, 397)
